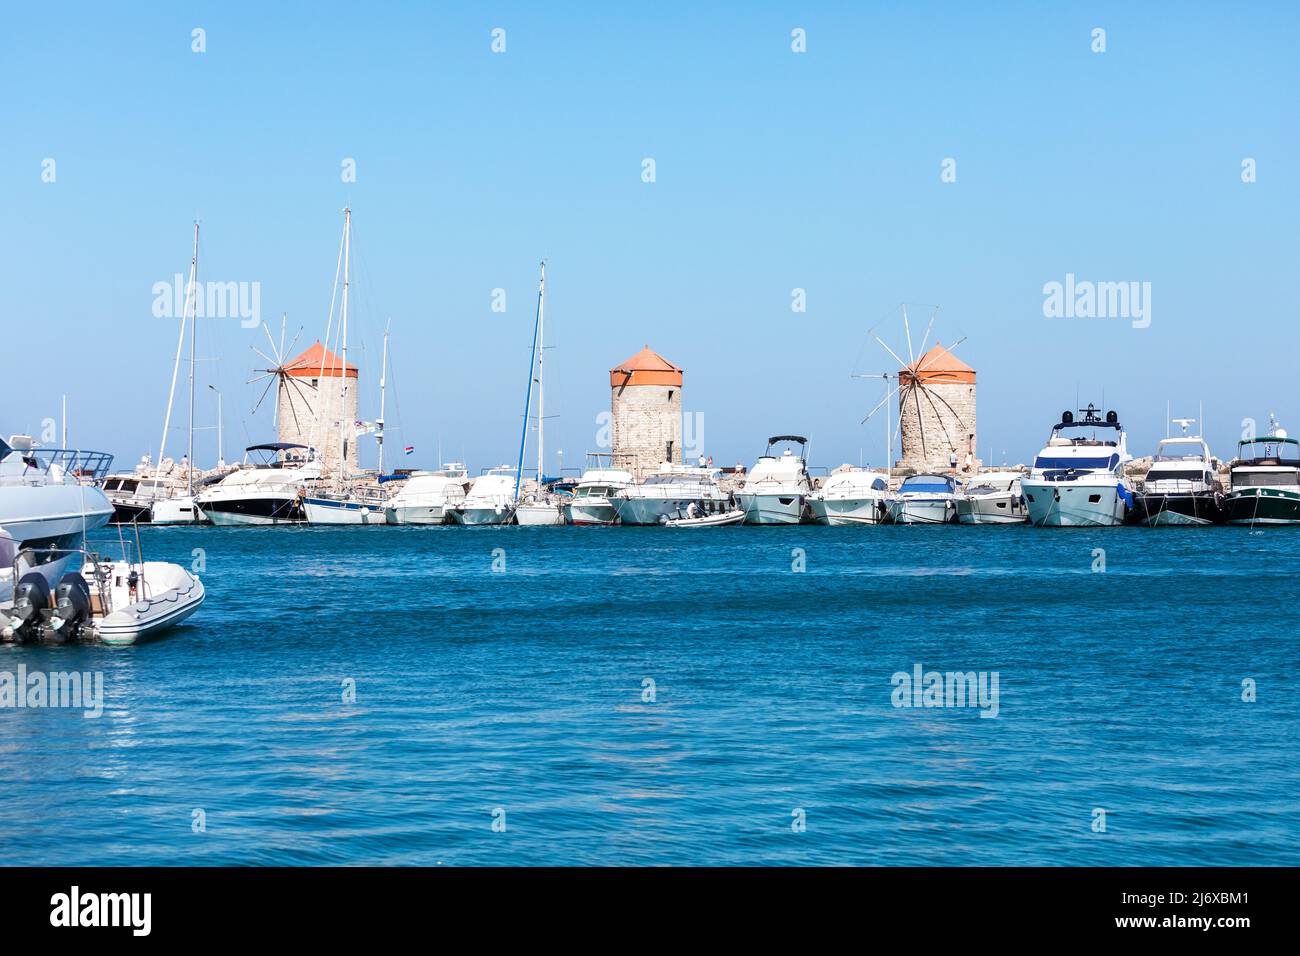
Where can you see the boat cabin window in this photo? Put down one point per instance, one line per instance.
(1263, 479)
(1045, 462)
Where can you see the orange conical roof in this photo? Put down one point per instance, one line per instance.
(936, 367)
(310, 363)
(647, 367)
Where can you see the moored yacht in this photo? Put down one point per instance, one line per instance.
(428, 496)
(47, 504)
(1077, 479)
(489, 500)
(851, 497)
(270, 492)
(776, 487)
(993, 498)
(670, 490)
(1182, 487)
(925, 499)
(593, 501)
(1265, 480)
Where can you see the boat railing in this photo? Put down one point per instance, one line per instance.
(73, 462)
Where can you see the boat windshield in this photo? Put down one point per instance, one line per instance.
(1050, 463)
(1179, 474)
(1282, 450)
(927, 485)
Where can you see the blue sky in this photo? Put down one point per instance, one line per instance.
(774, 171)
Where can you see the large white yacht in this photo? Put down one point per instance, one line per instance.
(776, 487)
(671, 491)
(490, 498)
(851, 497)
(270, 492)
(428, 496)
(1182, 486)
(1077, 479)
(47, 502)
(1266, 479)
(993, 498)
(593, 501)
(925, 499)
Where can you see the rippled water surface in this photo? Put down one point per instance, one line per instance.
(522, 693)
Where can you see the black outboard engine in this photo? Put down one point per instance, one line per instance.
(71, 612)
(32, 596)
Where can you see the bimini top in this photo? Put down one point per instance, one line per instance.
(645, 368)
(277, 446)
(794, 438)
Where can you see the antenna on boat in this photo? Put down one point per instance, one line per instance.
(1183, 423)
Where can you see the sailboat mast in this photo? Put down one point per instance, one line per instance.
(343, 392)
(194, 330)
(190, 291)
(541, 396)
(528, 397)
(383, 376)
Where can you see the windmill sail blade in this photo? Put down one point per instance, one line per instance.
(948, 350)
(881, 404)
(924, 338)
(929, 397)
(264, 391)
(908, 329)
(920, 419)
(894, 354)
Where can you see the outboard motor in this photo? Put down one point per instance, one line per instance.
(32, 596)
(71, 612)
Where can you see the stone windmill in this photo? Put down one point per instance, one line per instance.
(936, 403)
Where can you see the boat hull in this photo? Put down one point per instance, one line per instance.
(1190, 509)
(416, 514)
(131, 513)
(1263, 506)
(336, 511)
(771, 509)
(1074, 504)
(180, 510)
(846, 511)
(539, 515)
(593, 511)
(481, 516)
(923, 511)
(992, 509)
(267, 508)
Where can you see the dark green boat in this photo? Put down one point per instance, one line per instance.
(1266, 480)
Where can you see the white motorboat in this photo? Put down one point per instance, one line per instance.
(47, 504)
(270, 492)
(690, 518)
(855, 496)
(925, 499)
(776, 487)
(428, 496)
(993, 498)
(1077, 479)
(1182, 487)
(669, 491)
(113, 602)
(360, 505)
(593, 501)
(489, 500)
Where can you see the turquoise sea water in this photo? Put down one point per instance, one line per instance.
(521, 695)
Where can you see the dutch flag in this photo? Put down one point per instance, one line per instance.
(409, 449)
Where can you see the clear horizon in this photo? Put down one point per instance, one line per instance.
(825, 171)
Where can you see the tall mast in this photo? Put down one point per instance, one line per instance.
(528, 398)
(541, 400)
(343, 392)
(190, 292)
(383, 375)
(194, 330)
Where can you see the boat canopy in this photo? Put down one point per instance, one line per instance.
(928, 484)
(276, 446)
